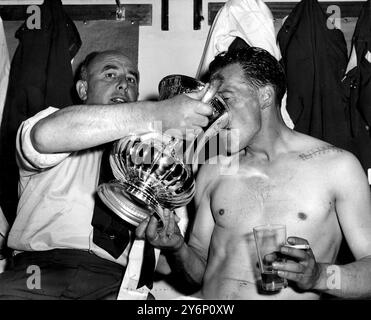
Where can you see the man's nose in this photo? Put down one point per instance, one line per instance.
(122, 84)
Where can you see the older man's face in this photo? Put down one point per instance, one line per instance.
(112, 78)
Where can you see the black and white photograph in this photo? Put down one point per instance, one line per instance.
(189, 156)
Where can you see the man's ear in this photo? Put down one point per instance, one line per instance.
(82, 89)
(266, 97)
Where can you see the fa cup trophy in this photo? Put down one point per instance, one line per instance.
(152, 170)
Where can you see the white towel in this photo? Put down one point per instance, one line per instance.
(251, 20)
(4, 227)
(3, 232)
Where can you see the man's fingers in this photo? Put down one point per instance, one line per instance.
(290, 266)
(192, 132)
(205, 109)
(171, 224)
(197, 95)
(166, 214)
(295, 253)
(211, 91)
(293, 276)
(297, 240)
(298, 248)
(199, 120)
(176, 218)
(152, 229)
(140, 231)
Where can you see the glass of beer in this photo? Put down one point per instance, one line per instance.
(269, 239)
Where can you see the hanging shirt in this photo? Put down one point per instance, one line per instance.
(4, 68)
(3, 228)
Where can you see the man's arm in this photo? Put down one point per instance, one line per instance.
(353, 207)
(191, 258)
(80, 127)
(188, 259)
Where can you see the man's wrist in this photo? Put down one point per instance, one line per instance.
(155, 121)
(323, 277)
(178, 249)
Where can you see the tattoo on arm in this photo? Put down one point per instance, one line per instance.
(318, 152)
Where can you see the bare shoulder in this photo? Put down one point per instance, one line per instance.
(321, 151)
(328, 156)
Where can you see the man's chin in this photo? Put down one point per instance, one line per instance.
(230, 143)
(232, 150)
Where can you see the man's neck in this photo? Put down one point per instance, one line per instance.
(272, 140)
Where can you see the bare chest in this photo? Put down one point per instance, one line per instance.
(285, 196)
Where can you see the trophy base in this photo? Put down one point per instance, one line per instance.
(130, 202)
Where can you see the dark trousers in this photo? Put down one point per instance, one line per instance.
(60, 274)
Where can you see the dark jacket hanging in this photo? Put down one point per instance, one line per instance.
(40, 76)
(358, 87)
(315, 57)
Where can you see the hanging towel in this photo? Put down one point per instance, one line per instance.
(250, 20)
(40, 76)
(4, 228)
(4, 68)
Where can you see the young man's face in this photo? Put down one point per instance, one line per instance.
(244, 105)
(112, 78)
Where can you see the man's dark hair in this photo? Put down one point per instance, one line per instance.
(259, 66)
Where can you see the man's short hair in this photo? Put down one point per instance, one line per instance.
(82, 71)
(259, 66)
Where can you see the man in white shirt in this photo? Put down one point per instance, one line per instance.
(59, 154)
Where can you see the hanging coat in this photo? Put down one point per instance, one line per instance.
(315, 57)
(40, 76)
(358, 86)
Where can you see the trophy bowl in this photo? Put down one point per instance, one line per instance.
(151, 169)
(150, 175)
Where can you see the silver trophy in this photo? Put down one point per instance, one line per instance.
(153, 170)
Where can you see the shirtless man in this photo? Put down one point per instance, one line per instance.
(284, 177)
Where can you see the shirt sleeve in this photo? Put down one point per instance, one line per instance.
(29, 160)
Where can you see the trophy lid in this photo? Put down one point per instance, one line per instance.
(175, 84)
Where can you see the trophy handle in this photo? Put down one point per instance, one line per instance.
(211, 131)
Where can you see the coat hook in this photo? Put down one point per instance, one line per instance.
(120, 11)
